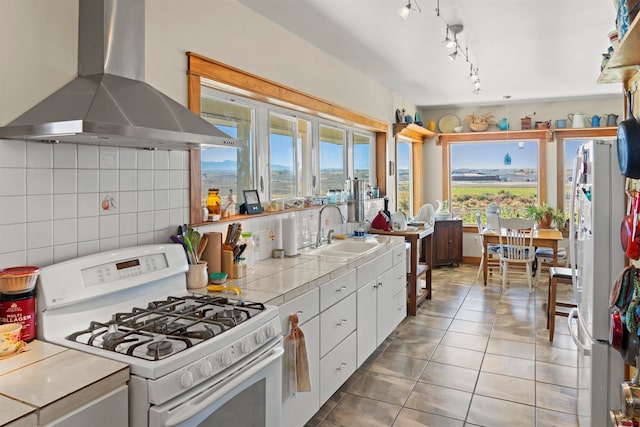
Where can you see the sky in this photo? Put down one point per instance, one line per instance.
(331, 155)
(491, 155)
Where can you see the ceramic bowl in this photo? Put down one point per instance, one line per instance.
(9, 338)
(457, 129)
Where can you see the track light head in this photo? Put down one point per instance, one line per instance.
(406, 10)
(453, 55)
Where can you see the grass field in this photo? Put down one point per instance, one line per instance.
(512, 199)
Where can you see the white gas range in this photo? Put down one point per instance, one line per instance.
(195, 359)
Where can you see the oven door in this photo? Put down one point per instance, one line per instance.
(249, 397)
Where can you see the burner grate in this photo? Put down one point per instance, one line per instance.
(166, 327)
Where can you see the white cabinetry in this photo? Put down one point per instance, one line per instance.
(381, 301)
(298, 408)
(341, 326)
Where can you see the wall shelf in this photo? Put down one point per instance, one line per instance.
(625, 61)
(412, 131)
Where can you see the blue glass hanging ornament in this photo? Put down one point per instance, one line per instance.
(503, 124)
(507, 159)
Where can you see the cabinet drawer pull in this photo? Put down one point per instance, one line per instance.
(380, 284)
(341, 289)
(342, 366)
(300, 313)
(341, 322)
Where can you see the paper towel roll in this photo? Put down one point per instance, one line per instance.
(289, 237)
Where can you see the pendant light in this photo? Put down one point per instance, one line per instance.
(406, 9)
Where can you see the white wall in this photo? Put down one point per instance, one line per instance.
(50, 196)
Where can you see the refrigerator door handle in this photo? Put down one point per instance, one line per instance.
(574, 333)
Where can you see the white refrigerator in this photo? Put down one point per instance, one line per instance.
(598, 201)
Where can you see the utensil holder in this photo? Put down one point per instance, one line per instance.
(197, 275)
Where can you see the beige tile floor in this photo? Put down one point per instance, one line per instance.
(473, 356)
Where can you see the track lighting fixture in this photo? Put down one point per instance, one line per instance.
(406, 10)
(453, 55)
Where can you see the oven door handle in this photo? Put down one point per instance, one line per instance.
(195, 406)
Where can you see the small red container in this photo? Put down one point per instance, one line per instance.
(20, 308)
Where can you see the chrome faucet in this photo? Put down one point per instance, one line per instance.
(319, 235)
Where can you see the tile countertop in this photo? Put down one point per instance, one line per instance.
(277, 280)
(33, 384)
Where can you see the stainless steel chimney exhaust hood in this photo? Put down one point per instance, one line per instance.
(109, 103)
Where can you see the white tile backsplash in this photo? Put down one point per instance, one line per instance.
(108, 226)
(128, 158)
(39, 234)
(14, 238)
(145, 159)
(64, 206)
(13, 209)
(161, 160)
(64, 231)
(128, 180)
(39, 181)
(161, 179)
(145, 180)
(88, 157)
(65, 252)
(39, 207)
(88, 180)
(108, 180)
(65, 156)
(64, 181)
(12, 182)
(150, 191)
(88, 204)
(108, 157)
(39, 156)
(88, 229)
(14, 154)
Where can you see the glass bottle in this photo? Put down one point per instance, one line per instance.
(249, 254)
(213, 202)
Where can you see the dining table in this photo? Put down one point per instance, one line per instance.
(542, 238)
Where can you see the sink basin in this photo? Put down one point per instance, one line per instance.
(346, 249)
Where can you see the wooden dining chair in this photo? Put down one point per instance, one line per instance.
(516, 241)
(492, 257)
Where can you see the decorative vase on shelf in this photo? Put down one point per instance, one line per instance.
(442, 212)
(503, 124)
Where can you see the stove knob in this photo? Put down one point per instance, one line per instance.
(225, 359)
(245, 347)
(260, 337)
(271, 331)
(206, 369)
(186, 379)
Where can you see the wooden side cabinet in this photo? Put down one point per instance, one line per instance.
(447, 242)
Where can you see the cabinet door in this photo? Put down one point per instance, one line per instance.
(367, 334)
(110, 410)
(298, 409)
(399, 307)
(455, 241)
(385, 306)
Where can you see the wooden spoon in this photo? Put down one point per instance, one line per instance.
(202, 246)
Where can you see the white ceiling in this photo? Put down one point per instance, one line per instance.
(532, 50)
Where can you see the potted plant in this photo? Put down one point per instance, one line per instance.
(546, 215)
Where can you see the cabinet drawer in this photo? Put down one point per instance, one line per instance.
(305, 305)
(399, 253)
(336, 367)
(399, 277)
(337, 323)
(372, 269)
(337, 289)
(399, 307)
